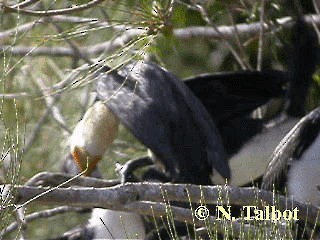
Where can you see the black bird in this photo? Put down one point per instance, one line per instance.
(98, 127)
(230, 98)
(250, 153)
(162, 113)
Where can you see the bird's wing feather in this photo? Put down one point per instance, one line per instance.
(232, 94)
(291, 148)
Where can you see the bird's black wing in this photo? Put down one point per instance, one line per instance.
(290, 149)
(165, 116)
(228, 95)
(230, 98)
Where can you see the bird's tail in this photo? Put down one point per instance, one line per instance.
(301, 66)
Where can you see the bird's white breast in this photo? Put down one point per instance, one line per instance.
(252, 159)
(304, 175)
(121, 225)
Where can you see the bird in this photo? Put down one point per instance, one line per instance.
(162, 113)
(228, 97)
(153, 104)
(295, 162)
(249, 159)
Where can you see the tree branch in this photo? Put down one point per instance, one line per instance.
(46, 13)
(54, 179)
(108, 46)
(25, 3)
(118, 197)
(37, 215)
(243, 31)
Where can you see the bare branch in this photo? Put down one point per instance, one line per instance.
(118, 197)
(206, 17)
(64, 19)
(50, 102)
(20, 29)
(46, 13)
(14, 95)
(243, 30)
(36, 130)
(54, 179)
(240, 45)
(104, 47)
(25, 3)
(260, 47)
(38, 215)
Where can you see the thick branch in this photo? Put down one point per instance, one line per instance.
(118, 196)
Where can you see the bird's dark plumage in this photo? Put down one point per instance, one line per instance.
(232, 94)
(166, 117)
(290, 150)
(230, 98)
(303, 60)
(302, 64)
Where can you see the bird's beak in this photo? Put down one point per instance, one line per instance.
(85, 162)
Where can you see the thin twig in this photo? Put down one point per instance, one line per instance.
(260, 47)
(15, 95)
(50, 102)
(96, 49)
(240, 46)
(25, 3)
(54, 179)
(316, 7)
(243, 30)
(206, 17)
(38, 215)
(47, 13)
(36, 130)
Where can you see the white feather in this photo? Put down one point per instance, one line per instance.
(116, 225)
(252, 159)
(304, 175)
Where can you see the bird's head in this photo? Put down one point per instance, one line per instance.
(92, 136)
